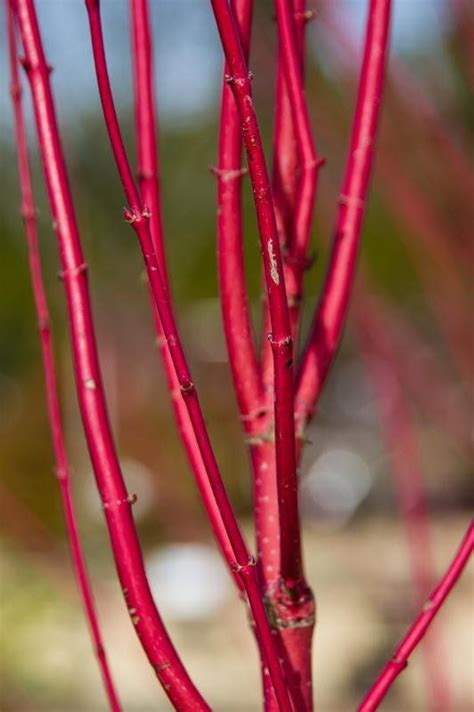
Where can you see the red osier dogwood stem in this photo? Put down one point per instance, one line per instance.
(28, 213)
(274, 405)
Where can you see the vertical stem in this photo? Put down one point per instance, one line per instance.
(289, 600)
(294, 180)
(234, 302)
(295, 167)
(115, 499)
(327, 325)
(417, 631)
(302, 215)
(212, 489)
(280, 338)
(62, 469)
(148, 177)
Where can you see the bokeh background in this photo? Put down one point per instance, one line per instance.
(416, 265)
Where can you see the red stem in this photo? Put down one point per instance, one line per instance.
(212, 488)
(234, 301)
(115, 498)
(294, 185)
(302, 217)
(445, 296)
(292, 155)
(281, 340)
(289, 600)
(148, 176)
(407, 474)
(62, 470)
(326, 329)
(238, 330)
(146, 124)
(417, 631)
(285, 151)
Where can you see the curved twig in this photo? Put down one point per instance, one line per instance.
(417, 631)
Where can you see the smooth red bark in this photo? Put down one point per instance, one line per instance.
(148, 180)
(62, 469)
(417, 631)
(212, 489)
(116, 501)
(234, 301)
(280, 337)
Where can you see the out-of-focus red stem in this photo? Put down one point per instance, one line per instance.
(413, 97)
(281, 340)
(417, 631)
(62, 470)
(327, 325)
(434, 392)
(445, 296)
(212, 488)
(464, 19)
(115, 499)
(397, 428)
(148, 177)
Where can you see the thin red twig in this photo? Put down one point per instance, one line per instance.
(417, 631)
(212, 489)
(327, 325)
(116, 501)
(255, 413)
(234, 301)
(62, 469)
(148, 178)
(302, 217)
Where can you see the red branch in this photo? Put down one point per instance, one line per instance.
(290, 49)
(62, 470)
(327, 325)
(280, 337)
(417, 631)
(295, 167)
(115, 499)
(146, 122)
(234, 302)
(212, 488)
(294, 185)
(254, 412)
(292, 611)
